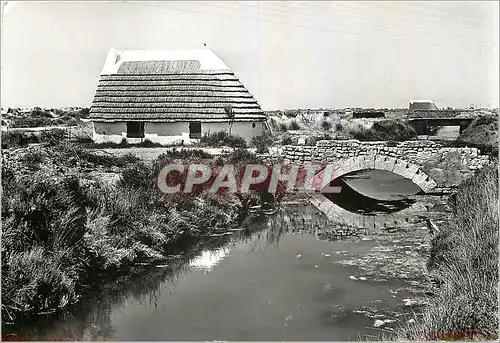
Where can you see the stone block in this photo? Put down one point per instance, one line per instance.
(405, 169)
(424, 181)
(384, 163)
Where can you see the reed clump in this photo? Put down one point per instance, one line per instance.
(64, 231)
(464, 264)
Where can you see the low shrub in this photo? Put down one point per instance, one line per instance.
(314, 139)
(16, 139)
(482, 133)
(187, 153)
(325, 125)
(385, 130)
(53, 137)
(106, 145)
(71, 152)
(37, 112)
(32, 159)
(148, 144)
(240, 155)
(84, 112)
(294, 125)
(262, 143)
(31, 122)
(136, 176)
(223, 138)
(286, 140)
(283, 127)
(84, 140)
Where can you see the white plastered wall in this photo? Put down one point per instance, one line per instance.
(171, 133)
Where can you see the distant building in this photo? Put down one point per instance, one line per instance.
(170, 96)
(423, 105)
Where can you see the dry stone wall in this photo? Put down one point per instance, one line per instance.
(430, 165)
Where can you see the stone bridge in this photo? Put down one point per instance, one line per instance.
(430, 165)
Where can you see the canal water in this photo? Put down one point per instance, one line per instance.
(278, 277)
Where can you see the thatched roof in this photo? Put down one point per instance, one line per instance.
(175, 85)
(422, 105)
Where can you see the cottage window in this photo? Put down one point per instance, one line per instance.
(135, 130)
(195, 130)
(253, 125)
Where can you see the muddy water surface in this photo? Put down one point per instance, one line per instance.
(278, 278)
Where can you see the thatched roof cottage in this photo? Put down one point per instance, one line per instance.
(170, 97)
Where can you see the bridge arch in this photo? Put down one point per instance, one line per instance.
(358, 221)
(397, 166)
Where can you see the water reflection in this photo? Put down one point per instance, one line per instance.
(381, 185)
(209, 258)
(356, 202)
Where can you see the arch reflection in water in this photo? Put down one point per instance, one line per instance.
(374, 191)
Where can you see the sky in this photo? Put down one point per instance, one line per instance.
(288, 54)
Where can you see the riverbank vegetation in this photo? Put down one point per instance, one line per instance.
(66, 226)
(464, 264)
(222, 139)
(482, 133)
(385, 130)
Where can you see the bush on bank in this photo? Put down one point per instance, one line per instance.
(262, 143)
(464, 263)
(482, 133)
(60, 231)
(385, 130)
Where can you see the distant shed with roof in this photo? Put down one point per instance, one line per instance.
(423, 105)
(170, 97)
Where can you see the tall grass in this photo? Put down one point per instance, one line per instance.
(42, 239)
(464, 263)
(385, 130)
(60, 234)
(482, 133)
(262, 143)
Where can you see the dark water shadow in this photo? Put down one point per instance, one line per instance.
(354, 202)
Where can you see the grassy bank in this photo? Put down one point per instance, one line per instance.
(464, 263)
(482, 133)
(64, 229)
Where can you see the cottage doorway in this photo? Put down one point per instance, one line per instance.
(195, 130)
(135, 130)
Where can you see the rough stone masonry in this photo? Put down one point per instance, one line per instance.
(430, 165)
